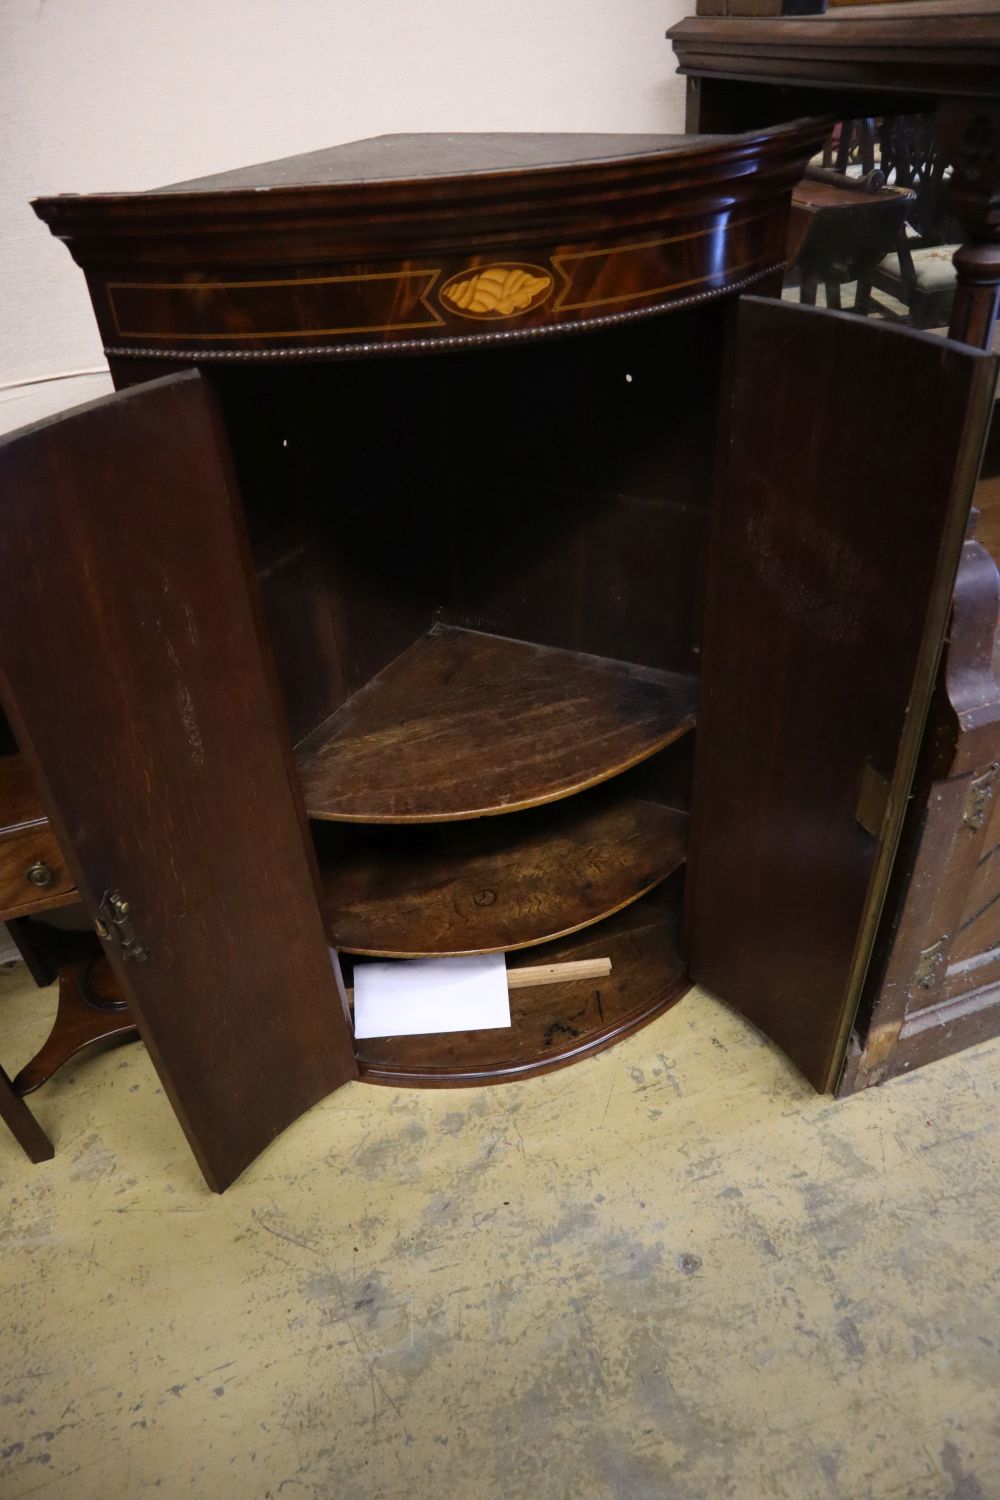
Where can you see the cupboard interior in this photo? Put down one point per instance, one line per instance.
(481, 575)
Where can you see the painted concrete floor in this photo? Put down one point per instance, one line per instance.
(669, 1273)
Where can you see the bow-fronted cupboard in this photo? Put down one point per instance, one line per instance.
(465, 566)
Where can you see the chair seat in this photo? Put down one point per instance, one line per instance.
(933, 271)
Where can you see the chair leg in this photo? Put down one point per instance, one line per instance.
(863, 298)
(833, 295)
(807, 291)
(22, 1124)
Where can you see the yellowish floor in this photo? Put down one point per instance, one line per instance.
(668, 1273)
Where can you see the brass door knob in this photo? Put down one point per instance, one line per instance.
(41, 874)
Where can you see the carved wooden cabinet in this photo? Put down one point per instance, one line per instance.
(481, 573)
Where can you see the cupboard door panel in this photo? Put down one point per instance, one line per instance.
(851, 451)
(140, 685)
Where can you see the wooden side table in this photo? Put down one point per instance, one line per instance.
(840, 231)
(35, 879)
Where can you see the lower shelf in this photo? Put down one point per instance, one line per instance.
(496, 884)
(553, 1024)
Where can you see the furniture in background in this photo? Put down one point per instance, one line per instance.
(90, 1006)
(22, 1124)
(920, 273)
(35, 881)
(34, 877)
(855, 230)
(400, 614)
(936, 57)
(934, 985)
(841, 230)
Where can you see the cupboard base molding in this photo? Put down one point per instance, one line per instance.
(515, 1072)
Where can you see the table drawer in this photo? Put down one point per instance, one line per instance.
(50, 884)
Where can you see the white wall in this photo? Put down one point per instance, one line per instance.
(115, 95)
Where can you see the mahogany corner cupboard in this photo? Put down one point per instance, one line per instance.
(465, 566)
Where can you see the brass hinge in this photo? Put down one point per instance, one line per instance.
(977, 800)
(873, 799)
(115, 925)
(928, 964)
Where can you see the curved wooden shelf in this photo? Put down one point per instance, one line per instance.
(495, 886)
(465, 725)
(554, 1024)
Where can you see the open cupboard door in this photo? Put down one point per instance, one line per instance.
(849, 455)
(126, 580)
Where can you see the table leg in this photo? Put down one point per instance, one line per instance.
(21, 1122)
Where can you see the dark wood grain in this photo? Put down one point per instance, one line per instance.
(163, 760)
(466, 725)
(469, 241)
(841, 556)
(498, 883)
(554, 1024)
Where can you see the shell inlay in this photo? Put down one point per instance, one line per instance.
(497, 291)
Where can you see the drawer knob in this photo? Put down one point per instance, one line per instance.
(41, 874)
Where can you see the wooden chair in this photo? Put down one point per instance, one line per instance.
(919, 271)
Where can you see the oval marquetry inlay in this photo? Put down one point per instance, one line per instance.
(497, 291)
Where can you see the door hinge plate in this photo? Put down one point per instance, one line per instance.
(979, 797)
(873, 798)
(115, 925)
(928, 964)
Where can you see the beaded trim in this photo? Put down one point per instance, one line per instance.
(456, 341)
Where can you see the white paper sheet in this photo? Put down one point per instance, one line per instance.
(416, 996)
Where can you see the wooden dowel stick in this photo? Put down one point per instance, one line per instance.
(524, 978)
(580, 968)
